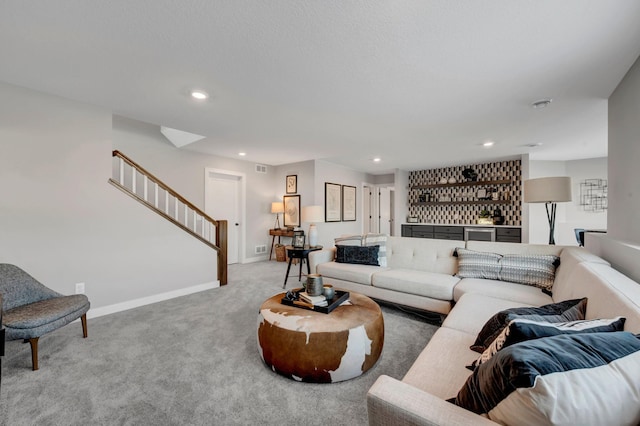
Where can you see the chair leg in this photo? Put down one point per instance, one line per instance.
(34, 352)
(83, 319)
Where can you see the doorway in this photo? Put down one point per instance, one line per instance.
(224, 199)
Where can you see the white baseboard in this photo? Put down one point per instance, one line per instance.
(135, 303)
(255, 259)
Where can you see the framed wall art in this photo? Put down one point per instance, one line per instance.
(291, 211)
(332, 202)
(348, 203)
(298, 239)
(292, 184)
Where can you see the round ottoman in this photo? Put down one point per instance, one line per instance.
(311, 346)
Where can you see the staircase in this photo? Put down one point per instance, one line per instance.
(135, 181)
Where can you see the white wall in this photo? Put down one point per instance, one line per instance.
(63, 223)
(621, 246)
(183, 170)
(401, 206)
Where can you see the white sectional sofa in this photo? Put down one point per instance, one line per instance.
(421, 274)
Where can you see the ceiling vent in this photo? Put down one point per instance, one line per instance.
(178, 137)
(261, 168)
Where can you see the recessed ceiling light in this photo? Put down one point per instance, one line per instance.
(542, 103)
(488, 144)
(242, 154)
(377, 160)
(533, 145)
(199, 95)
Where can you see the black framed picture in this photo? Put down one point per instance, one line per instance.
(348, 203)
(292, 184)
(291, 215)
(332, 202)
(298, 239)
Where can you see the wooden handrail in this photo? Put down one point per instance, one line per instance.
(164, 186)
(220, 225)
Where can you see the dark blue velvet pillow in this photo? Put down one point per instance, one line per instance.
(358, 255)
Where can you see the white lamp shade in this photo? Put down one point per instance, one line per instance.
(313, 214)
(547, 190)
(277, 207)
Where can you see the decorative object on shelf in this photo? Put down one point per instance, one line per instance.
(452, 180)
(277, 207)
(298, 239)
(548, 190)
(593, 195)
(292, 184)
(291, 210)
(495, 194)
(485, 218)
(422, 198)
(412, 219)
(348, 203)
(483, 194)
(313, 215)
(443, 180)
(470, 175)
(332, 202)
(498, 219)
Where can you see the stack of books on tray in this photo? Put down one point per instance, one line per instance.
(314, 300)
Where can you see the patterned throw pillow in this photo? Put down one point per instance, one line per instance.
(381, 241)
(534, 270)
(577, 379)
(357, 255)
(568, 310)
(349, 240)
(522, 329)
(478, 264)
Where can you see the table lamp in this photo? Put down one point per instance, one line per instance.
(548, 190)
(313, 215)
(277, 207)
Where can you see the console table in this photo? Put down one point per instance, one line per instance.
(283, 232)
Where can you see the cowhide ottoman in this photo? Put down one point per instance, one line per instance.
(311, 346)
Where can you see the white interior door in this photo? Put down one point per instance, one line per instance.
(384, 199)
(366, 209)
(222, 202)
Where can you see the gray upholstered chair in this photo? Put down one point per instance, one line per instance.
(30, 309)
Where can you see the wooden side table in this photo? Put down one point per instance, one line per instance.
(303, 255)
(283, 232)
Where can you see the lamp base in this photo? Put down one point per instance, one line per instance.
(313, 235)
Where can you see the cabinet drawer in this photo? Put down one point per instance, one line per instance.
(422, 234)
(507, 239)
(508, 232)
(449, 230)
(407, 231)
(443, 236)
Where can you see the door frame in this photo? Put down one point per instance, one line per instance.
(242, 196)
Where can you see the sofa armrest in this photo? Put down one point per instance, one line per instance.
(320, 256)
(392, 402)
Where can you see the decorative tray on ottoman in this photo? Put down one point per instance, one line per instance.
(292, 298)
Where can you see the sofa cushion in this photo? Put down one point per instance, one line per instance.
(569, 310)
(473, 310)
(422, 254)
(478, 264)
(537, 270)
(379, 240)
(360, 274)
(357, 255)
(439, 369)
(429, 284)
(585, 379)
(520, 330)
(531, 296)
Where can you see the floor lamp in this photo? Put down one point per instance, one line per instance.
(548, 190)
(277, 207)
(313, 215)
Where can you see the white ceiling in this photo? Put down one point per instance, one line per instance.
(420, 83)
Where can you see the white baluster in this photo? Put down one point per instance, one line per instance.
(145, 188)
(133, 179)
(175, 201)
(155, 198)
(186, 216)
(166, 202)
(121, 162)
